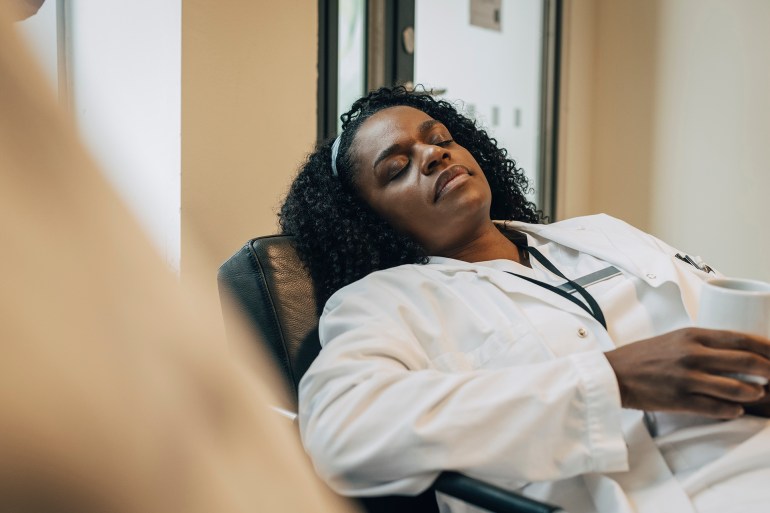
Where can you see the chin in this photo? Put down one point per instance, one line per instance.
(475, 202)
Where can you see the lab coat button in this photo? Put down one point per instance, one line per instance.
(651, 276)
(582, 333)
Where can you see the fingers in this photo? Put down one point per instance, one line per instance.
(714, 408)
(719, 339)
(726, 388)
(760, 408)
(729, 361)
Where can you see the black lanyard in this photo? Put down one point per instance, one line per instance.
(592, 307)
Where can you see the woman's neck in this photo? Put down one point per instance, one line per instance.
(489, 244)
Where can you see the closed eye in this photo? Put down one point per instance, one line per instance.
(401, 172)
(398, 173)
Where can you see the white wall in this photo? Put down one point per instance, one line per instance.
(711, 137)
(124, 61)
(672, 100)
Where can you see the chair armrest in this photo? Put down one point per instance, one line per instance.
(467, 489)
(488, 496)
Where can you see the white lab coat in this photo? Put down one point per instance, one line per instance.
(443, 366)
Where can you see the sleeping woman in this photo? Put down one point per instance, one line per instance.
(461, 332)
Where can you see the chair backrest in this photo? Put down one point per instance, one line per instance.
(272, 289)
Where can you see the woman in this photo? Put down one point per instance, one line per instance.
(447, 347)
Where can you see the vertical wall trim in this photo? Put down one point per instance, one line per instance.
(328, 37)
(375, 44)
(403, 61)
(63, 46)
(549, 122)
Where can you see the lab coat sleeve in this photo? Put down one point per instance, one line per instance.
(377, 418)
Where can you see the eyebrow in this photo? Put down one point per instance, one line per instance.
(424, 127)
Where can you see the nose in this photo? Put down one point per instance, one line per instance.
(432, 157)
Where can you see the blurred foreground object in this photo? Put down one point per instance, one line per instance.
(23, 9)
(117, 394)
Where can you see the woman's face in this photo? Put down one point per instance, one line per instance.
(412, 173)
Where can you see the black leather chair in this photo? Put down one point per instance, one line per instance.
(274, 291)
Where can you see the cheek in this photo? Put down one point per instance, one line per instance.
(470, 158)
(407, 213)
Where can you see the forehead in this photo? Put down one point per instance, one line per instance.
(387, 127)
(393, 119)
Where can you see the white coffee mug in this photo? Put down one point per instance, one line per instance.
(737, 305)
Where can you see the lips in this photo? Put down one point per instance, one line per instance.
(447, 176)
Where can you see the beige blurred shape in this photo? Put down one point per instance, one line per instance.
(22, 9)
(117, 391)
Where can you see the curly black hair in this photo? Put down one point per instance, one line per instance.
(339, 238)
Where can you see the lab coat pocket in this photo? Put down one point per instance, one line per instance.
(507, 346)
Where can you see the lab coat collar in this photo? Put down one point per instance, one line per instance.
(628, 248)
(613, 241)
(508, 283)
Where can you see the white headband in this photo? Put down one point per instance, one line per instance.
(335, 150)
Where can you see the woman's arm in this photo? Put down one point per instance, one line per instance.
(375, 428)
(378, 418)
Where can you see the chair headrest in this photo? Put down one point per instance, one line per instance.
(273, 290)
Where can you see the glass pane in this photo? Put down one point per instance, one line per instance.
(351, 51)
(491, 62)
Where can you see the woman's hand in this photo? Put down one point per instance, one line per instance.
(684, 371)
(760, 408)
